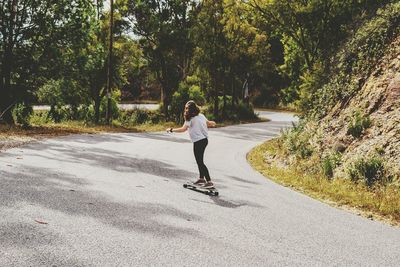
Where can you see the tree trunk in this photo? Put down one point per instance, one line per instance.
(6, 87)
(224, 104)
(216, 100)
(97, 103)
(165, 102)
(7, 62)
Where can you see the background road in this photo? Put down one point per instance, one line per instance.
(118, 200)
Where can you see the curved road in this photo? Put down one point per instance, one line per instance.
(117, 200)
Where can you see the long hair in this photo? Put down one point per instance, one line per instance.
(191, 111)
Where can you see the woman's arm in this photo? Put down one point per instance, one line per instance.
(178, 130)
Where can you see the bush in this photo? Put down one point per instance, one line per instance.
(135, 116)
(330, 162)
(88, 113)
(358, 125)
(51, 93)
(21, 114)
(370, 170)
(185, 93)
(239, 112)
(295, 142)
(140, 116)
(64, 97)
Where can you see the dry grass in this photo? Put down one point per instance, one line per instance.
(380, 202)
(13, 136)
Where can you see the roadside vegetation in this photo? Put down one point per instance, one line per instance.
(345, 148)
(367, 189)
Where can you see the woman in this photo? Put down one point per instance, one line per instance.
(197, 124)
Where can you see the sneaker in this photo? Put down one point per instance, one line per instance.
(208, 185)
(200, 182)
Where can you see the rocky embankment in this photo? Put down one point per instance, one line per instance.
(378, 102)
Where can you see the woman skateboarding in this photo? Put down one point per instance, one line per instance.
(198, 125)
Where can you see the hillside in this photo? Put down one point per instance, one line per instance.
(378, 102)
(346, 147)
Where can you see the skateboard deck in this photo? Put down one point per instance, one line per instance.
(207, 191)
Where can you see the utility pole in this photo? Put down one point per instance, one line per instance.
(109, 67)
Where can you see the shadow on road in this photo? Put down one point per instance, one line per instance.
(109, 159)
(68, 194)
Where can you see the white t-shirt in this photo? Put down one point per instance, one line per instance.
(197, 127)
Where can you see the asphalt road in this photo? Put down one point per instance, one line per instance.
(118, 200)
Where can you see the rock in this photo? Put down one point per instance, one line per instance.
(339, 147)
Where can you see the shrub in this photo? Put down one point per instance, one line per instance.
(370, 170)
(296, 142)
(330, 162)
(358, 125)
(238, 112)
(88, 113)
(51, 93)
(184, 93)
(135, 116)
(21, 114)
(140, 116)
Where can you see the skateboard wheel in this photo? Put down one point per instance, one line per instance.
(185, 185)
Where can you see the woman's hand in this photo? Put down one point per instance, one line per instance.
(211, 124)
(170, 130)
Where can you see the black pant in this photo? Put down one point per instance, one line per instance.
(198, 149)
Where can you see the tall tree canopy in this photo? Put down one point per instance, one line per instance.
(163, 27)
(37, 38)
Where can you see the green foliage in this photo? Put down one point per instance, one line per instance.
(313, 31)
(357, 58)
(295, 142)
(358, 125)
(236, 113)
(39, 117)
(140, 116)
(22, 113)
(311, 81)
(52, 94)
(164, 28)
(115, 112)
(330, 162)
(370, 170)
(39, 41)
(368, 45)
(64, 97)
(187, 91)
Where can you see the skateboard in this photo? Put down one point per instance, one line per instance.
(208, 191)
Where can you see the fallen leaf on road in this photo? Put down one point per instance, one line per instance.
(41, 222)
(19, 158)
(9, 165)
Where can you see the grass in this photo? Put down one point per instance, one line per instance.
(12, 136)
(380, 202)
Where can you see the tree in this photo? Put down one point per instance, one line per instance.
(311, 32)
(33, 36)
(163, 27)
(210, 52)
